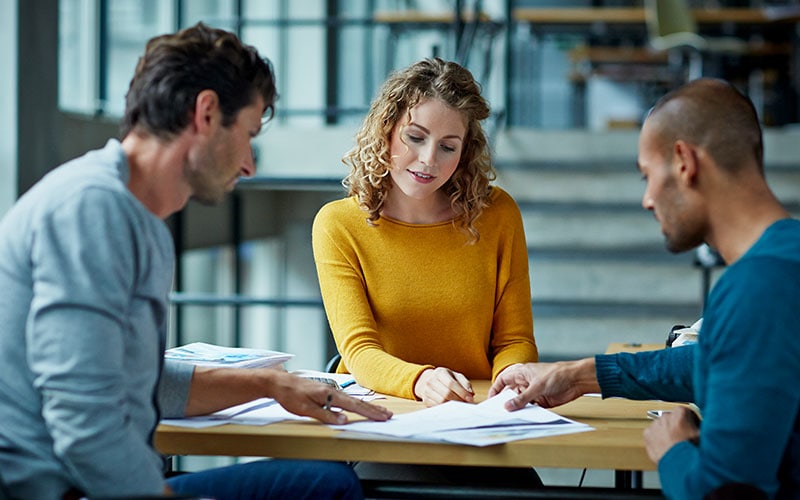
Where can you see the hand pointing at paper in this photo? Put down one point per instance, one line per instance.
(213, 389)
(547, 384)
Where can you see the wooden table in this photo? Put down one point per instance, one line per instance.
(636, 15)
(627, 27)
(616, 347)
(615, 444)
(401, 21)
(424, 17)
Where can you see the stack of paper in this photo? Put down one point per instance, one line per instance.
(261, 411)
(344, 381)
(200, 353)
(481, 424)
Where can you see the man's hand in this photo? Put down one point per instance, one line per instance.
(547, 384)
(435, 386)
(213, 389)
(309, 398)
(680, 424)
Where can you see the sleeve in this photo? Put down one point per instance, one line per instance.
(751, 367)
(84, 267)
(512, 326)
(173, 388)
(665, 374)
(350, 315)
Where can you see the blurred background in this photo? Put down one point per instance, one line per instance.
(569, 82)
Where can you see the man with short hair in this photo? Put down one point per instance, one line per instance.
(700, 153)
(86, 266)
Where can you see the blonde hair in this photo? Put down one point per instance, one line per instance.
(370, 160)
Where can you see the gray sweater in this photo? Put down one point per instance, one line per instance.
(85, 272)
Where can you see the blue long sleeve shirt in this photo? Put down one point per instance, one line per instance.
(85, 270)
(744, 375)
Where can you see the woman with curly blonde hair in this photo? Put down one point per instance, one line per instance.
(468, 188)
(423, 268)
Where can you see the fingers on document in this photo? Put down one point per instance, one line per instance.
(462, 388)
(517, 402)
(369, 410)
(497, 387)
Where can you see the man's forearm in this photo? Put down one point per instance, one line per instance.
(584, 376)
(213, 389)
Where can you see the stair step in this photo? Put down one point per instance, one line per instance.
(598, 309)
(661, 281)
(610, 192)
(640, 253)
(585, 228)
(574, 337)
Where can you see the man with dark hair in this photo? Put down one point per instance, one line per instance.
(86, 266)
(700, 153)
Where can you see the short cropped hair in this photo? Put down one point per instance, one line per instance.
(175, 68)
(713, 114)
(370, 160)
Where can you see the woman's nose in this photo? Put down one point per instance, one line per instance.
(428, 156)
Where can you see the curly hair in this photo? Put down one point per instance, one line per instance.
(370, 159)
(175, 68)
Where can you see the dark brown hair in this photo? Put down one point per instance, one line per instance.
(713, 114)
(175, 68)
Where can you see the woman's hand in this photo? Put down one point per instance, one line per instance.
(437, 385)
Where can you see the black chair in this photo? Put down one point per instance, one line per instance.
(736, 491)
(330, 366)
(4, 494)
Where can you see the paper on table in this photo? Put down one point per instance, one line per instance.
(266, 410)
(261, 411)
(478, 425)
(346, 382)
(201, 353)
(485, 436)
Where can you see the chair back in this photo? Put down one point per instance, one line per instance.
(667, 17)
(4, 494)
(333, 363)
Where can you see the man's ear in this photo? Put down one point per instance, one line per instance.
(686, 161)
(206, 111)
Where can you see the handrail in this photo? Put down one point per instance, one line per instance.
(213, 300)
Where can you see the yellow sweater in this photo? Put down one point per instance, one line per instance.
(401, 298)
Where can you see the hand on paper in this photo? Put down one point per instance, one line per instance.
(680, 424)
(309, 398)
(214, 389)
(547, 384)
(435, 386)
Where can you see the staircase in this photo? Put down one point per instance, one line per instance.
(599, 269)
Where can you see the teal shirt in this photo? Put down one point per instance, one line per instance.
(85, 272)
(744, 375)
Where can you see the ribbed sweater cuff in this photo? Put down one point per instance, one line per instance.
(607, 371)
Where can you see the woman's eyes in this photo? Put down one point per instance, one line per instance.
(418, 139)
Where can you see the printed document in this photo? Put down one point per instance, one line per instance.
(480, 424)
(200, 353)
(261, 411)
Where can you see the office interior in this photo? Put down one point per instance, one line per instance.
(567, 99)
